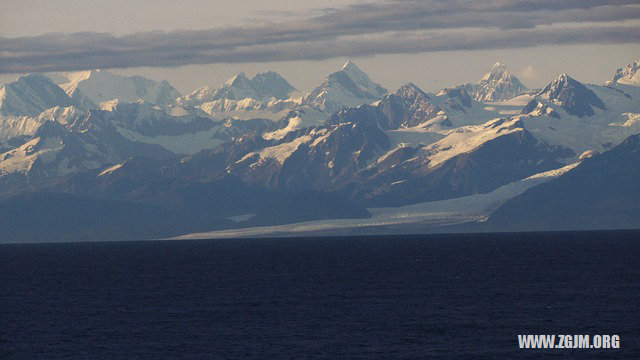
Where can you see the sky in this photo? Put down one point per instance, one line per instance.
(432, 43)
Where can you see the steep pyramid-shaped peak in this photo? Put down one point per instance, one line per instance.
(30, 95)
(33, 79)
(410, 90)
(237, 88)
(360, 79)
(497, 85)
(347, 87)
(411, 86)
(564, 85)
(271, 85)
(575, 98)
(350, 66)
(409, 106)
(241, 78)
(562, 82)
(498, 70)
(354, 72)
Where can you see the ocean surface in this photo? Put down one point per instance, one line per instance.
(416, 297)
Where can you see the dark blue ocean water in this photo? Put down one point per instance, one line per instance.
(432, 296)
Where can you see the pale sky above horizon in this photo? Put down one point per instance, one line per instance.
(446, 63)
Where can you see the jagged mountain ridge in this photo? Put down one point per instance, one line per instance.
(58, 149)
(262, 88)
(95, 86)
(65, 141)
(405, 147)
(583, 117)
(629, 75)
(406, 108)
(409, 107)
(477, 159)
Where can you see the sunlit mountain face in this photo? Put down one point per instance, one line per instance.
(258, 153)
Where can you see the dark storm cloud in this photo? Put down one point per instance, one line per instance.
(401, 26)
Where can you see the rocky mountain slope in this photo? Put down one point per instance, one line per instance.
(251, 153)
(30, 95)
(601, 193)
(629, 75)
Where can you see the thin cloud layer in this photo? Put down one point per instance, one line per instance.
(391, 27)
(528, 72)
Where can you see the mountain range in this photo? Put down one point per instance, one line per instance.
(96, 86)
(95, 155)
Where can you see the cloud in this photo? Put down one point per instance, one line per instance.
(528, 73)
(391, 27)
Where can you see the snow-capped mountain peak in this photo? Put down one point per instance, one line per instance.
(350, 66)
(239, 80)
(498, 71)
(349, 86)
(377, 151)
(559, 83)
(628, 75)
(236, 88)
(98, 85)
(575, 98)
(259, 91)
(498, 85)
(271, 84)
(409, 107)
(81, 75)
(30, 95)
(411, 90)
(362, 80)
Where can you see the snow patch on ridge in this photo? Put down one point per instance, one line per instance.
(21, 159)
(278, 152)
(468, 138)
(110, 169)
